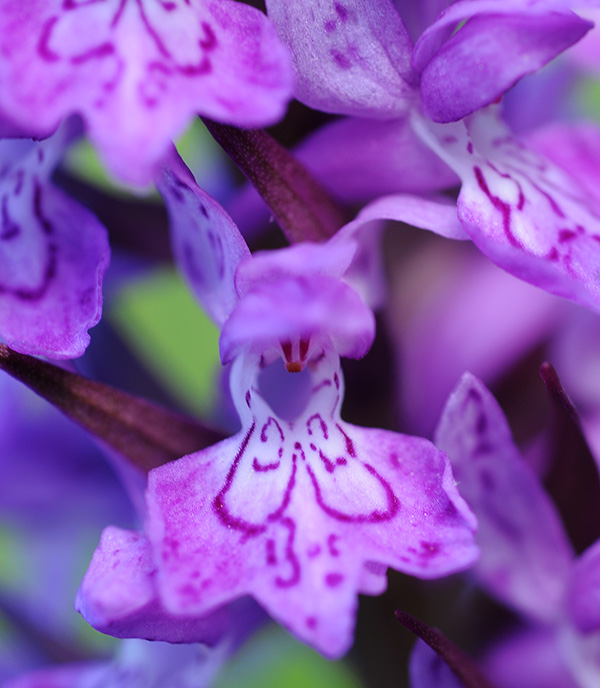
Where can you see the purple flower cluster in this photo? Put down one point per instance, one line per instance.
(297, 511)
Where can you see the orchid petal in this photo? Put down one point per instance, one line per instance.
(118, 595)
(350, 56)
(138, 71)
(584, 592)
(575, 148)
(525, 213)
(471, 70)
(304, 307)
(206, 242)
(525, 554)
(329, 260)
(53, 254)
(348, 497)
(437, 215)
(360, 159)
(529, 658)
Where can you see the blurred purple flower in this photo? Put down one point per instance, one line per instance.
(526, 558)
(53, 254)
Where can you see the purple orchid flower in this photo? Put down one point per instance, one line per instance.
(137, 71)
(526, 558)
(301, 512)
(527, 213)
(53, 253)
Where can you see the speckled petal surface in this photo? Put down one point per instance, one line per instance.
(53, 255)
(528, 215)
(350, 56)
(138, 71)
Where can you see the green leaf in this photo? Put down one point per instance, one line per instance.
(272, 659)
(176, 340)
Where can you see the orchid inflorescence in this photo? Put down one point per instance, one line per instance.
(455, 117)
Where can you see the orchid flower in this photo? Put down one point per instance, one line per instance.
(526, 559)
(529, 214)
(53, 254)
(299, 509)
(137, 71)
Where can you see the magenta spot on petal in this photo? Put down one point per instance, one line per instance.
(336, 380)
(313, 446)
(553, 255)
(470, 148)
(329, 26)
(271, 556)
(430, 549)
(566, 235)
(342, 61)
(341, 461)
(313, 551)
(331, 540)
(333, 579)
(311, 622)
(481, 425)
(394, 460)
(209, 42)
(290, 556)
(341, 11)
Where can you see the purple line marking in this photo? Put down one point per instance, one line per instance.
(290, 555)
(393, 505)
(499, 205)
(317, 416)
(263, 432)
(263, 468)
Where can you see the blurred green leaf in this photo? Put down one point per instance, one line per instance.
(273, 659)
(176, 340)
(588, 96)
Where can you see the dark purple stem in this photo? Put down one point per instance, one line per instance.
(144, 433)
(304, 210)
(460, 663)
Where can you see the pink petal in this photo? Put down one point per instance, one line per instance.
(206, 242)
(525, 554)
(137, 71)
(295, 513)
(468, 69)
(350, 56)
(53, 254)
(525, 213)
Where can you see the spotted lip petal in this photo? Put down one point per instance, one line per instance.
(466, 69)
(350, 56)
(524, 212)
(53, 254)
(295, 512)
(138, 71)
(525, 553)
